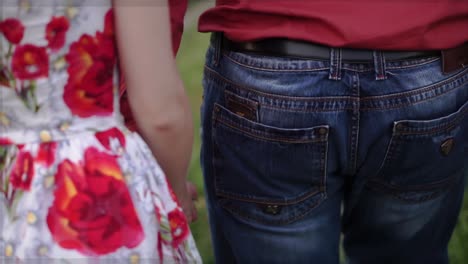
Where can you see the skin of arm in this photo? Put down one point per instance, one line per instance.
(156, 93)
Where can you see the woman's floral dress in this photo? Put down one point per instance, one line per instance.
(75, 185)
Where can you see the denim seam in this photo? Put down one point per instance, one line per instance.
(409, 64)
(394, 189)
(247, 132)
(271, 69)
(398, 194)
(412, 65)
(272, 201)
(388, 156)
(324, 164)
(417, 91)
(364, 100)
(354, 140)
(286, 221)
(308, 110)
(377, 179)
(401, 105)
(216, 75)
(448, 126)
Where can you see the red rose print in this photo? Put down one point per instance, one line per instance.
(55, 32)
(12, 29)
(46, 153)
(5, 141)
(179, 227)
(23, 171)
(109, 23)
(105, 136)
(92, 211)
(89, 91)
(30, 62)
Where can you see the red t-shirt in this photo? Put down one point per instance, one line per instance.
(369, 24)
(177, 10)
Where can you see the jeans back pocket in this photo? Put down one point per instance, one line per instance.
(265, 173)
(424, 157)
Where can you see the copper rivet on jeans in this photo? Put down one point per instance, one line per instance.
(322, 131)
(399, 126)
(447, 146)
(272, 209)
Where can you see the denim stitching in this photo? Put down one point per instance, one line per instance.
(448, 125)
(417, 91)
(379, 65)
(275, 139)
(433, 195)
(249, 132)
(399, 196)
(321, 146)
(354, 131)
(379, 182)
(324, 165)
(306, 110)
(383, 73)
(394, 189)
(220, 78)
(388, 156)
(413, 65)
(218, 183)
(271, 69)
(339, 64)
(335, 64)
(346, 65)
(401, 105)
(289, 220)
(369, 101)
(271, 201)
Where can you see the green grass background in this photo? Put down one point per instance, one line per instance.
(190, 61)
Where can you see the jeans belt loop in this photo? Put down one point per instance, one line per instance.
(218, 42)
(379, 65)
(335, 64)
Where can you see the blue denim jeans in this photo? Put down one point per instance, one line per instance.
(302, 155)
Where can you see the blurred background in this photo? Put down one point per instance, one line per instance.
(190, 60)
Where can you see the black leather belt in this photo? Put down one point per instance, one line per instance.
(307, 50)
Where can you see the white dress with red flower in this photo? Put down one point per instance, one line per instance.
(75, 185)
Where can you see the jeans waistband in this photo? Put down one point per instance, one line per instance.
(307, 50)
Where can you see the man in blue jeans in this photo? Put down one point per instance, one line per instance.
(324, 119)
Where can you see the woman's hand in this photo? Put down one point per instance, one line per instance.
(187, 202)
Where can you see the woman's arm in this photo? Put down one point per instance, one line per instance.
(156, 93)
